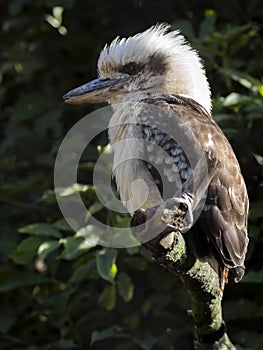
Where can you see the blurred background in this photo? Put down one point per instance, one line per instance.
(58, 290)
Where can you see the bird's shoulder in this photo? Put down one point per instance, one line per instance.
(180, 105)
(189, 118)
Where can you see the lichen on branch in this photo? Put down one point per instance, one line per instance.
(170, 249)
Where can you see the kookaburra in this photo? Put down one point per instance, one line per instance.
(157, 68)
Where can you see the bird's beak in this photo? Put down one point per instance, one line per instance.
(95, 91)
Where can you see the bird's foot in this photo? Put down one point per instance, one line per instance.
(177, 212)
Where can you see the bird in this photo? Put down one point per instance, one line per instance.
(158, 69)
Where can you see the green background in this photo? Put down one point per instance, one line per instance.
(57, 290)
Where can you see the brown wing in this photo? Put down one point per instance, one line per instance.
(225, 215)
(224, 218)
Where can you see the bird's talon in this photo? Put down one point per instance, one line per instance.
(177, 213)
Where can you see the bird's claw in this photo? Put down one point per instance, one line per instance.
(177, 212)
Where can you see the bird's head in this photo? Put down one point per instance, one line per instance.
(156, 61)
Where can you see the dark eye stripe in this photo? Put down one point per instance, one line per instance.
(131, 68)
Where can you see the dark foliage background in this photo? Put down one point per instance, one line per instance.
(58, 291)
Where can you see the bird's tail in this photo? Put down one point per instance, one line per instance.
(238, 273)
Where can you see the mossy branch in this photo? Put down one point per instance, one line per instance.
(170, 249)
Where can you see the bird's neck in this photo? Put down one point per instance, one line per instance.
(131, 99)
(124, 119)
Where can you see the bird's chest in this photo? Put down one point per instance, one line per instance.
(149, 165)
(135, 184)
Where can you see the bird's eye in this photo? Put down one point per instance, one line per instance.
(131, 68)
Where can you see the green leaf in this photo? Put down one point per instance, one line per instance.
(41, 229)
(145, 341)
(11, 279)
(114, 331)
(125, 287)
(254, 111)
(76, 188)
(95, 207)
(48, 196)
(244, 79)
(91, 233)
(66, 344)
(84, 272)
(26, 250)
(74, 247)
(260, 90)
(107, 299)
(185, 28)
(46, 248)
(133, 250)
(236, 99)
(207, 26)
(62, 225)
(106, 263)
(221, 117)
(259, 159)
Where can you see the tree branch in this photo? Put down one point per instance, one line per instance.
(170, 249)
